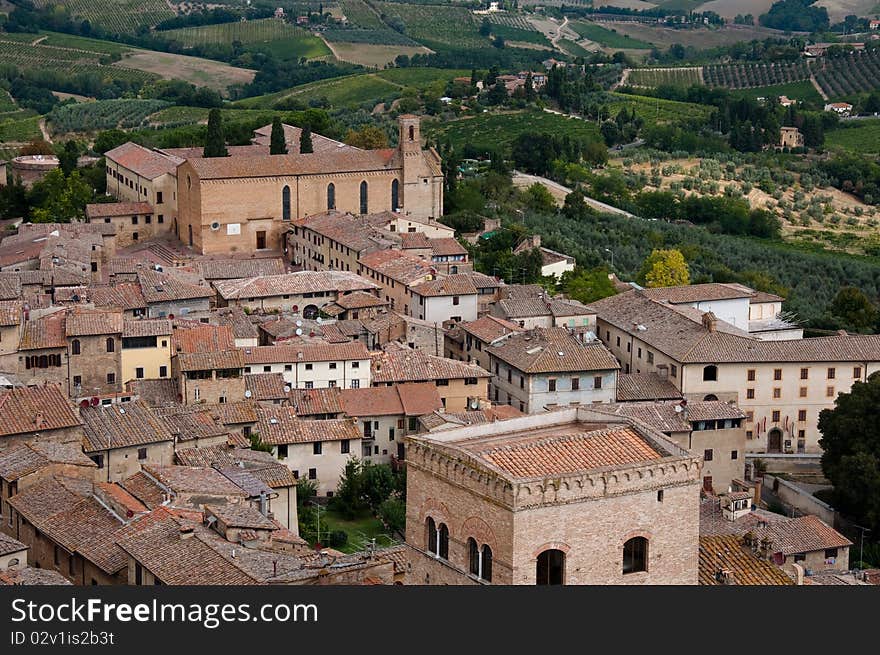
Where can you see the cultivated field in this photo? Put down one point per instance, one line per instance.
(492, 131)
(195, 70)
(730, 8)
(437, 27)
(120, 16)
(609, 37)
(698, 38)
(657, 111)
(811, 214)
(102, 115)
(745, 76)
(374, 56)
(290, 41)
(840, 9)
(361, 14)
(861, 136)
(852, 73)
(339, 92)
(653, 77)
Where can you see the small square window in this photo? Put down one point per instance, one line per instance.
(313, 474)
(775, 416)
(777, 373)
(734, 454)
(142, 454)
(750, 394)
(777, 392)
(750, 375)
(707, 455)
(317, 447)
(111, 378)
(802, 392)
(139, 373)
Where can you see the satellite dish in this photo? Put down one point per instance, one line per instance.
(95, 401)
(298, 323)
(248, 394)
(286, 388)
(475, 404)
(299, 332)
(678, 409)
(84, 403)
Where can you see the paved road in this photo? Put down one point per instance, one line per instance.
(560, 191)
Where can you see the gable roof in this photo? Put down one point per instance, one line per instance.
(409, 399)
(645, 386)
(227, 269)
(727, 554)
(416, 366)
(343, 160)
(35, 409)
(451, 285)
(122, 425)
(549, 350)
(292, 284)
(143, 161)
(280, 425)
(163, 287)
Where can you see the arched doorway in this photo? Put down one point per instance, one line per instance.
(550, 568)
(774, 441)
(310, 312)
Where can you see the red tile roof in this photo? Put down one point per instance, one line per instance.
(280, 425)
(143, 161)
(35, 409)
(451, 285)
(44, 333)
(550, 350)
(292, 284)
(122, 425)
(83, 322)
(415, 366)
(310, 352)
(203, 339)
(342, 161)
(114, 209)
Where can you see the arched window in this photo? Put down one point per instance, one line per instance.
(331, 196)
(438, 539)
(486, 573)
(364, 206)
(479, 560)
(75, 347)
(550, 568)
(111, 345)
(285, 203)
(473, 557)
(395, 195)
(635, 555)
(412, 133)
(710, 396)
(710, 373)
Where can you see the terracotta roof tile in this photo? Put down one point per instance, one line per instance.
(310, 352)
(265, 386)
(113, 209)
(227, 359)
(193, 479)
(280, 425)
(416, 366)
(726, 556)
(10, 313)
(645, 386)
(698, 293)
(451, 285)
(548, 350)
(122, 425)
(35, 409)
(154, 327)
(358, 233)
(292, 284)
(203, 338)
(143, 161)
(490, 328)
(125, 295)
(228, 269)
(44, 333)
(341, 161)
(398, 265)
(312, 402)
(571, 453)
(163, 287)
(8, 545)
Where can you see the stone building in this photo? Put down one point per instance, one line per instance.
(136, 174)
(566, 497)
(146, 349)
(461, 386)
(247, 203)
(94, 344)
(313, 450)
(780, 385)
(469, 340)
(547, 368)
(133, 221)
(39, 412)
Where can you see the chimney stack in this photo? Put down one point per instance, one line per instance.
(186, 532)
(710, 322)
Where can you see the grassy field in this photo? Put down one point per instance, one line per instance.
(359, 530)
(102, 115)
(280, 38)
(520, 35)
(608, 37)
(655, 110)
(19, 129)
(67, 60)
(195, 70)
(438, 27)
(803, 91)
(572, 48)
(373, 55)
(339, 92)
(698, 38)
(359, 13)
(6, 102)
(120, 16)
(421, 77)
(856, 136)
(652, 77)
(490, 131)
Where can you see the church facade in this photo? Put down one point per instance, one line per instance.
(247, 203)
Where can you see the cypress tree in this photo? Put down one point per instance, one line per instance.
(215, 144)
(277, 144)
(305, 140)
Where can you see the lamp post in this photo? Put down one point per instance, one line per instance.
(611, 252)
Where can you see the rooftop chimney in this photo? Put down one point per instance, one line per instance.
(186, 532)
(710, 322)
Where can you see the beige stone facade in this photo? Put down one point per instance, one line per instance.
(242, 204)
(455, 484)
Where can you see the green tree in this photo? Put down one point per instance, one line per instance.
(392, 512)
(369, 137)
(68, 157)
(305, 141)
(347, 500)
(665, 268)
(539, 199)
(854, 310)
(587, 285)
(109, 139)
(57, 199)
(377, 484)
(215, 143)
(851, 451)
(277, 142)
